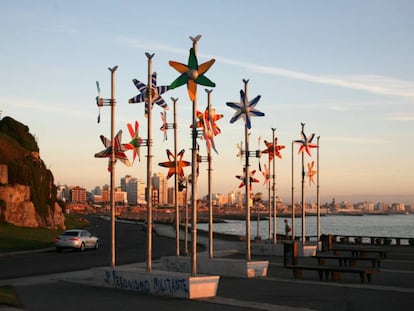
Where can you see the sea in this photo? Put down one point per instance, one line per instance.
(390, 225)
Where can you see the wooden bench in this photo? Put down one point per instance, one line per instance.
(334, 271)
(345, 260)
(360, 252)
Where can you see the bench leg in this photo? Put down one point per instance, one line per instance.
(320, 272)
(336, 276)
(297, 273)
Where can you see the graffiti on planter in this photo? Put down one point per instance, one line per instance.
(118, 281)
(169, 286)
(159, 285)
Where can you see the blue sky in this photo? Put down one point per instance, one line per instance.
(344, 68)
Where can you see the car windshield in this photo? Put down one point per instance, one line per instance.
(70, 233)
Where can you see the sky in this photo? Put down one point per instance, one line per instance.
(344, 68)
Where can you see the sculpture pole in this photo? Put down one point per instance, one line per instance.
(303, 195)
(149, 165)
(269, 204)
(293, 197)
(112, 183)
(317, 195)
(177, 209)
(274, 187)
(194, 164)
(210, 170)
(247, 181)
(186, 217)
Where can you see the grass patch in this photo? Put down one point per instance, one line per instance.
(8, 296)
(14, 238)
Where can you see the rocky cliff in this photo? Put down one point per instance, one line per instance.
(27, 190)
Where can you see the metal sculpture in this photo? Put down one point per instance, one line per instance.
(193, 74)
(117, 147)
(136, 142)
(246, 109)
(153, 92)
(175, 164)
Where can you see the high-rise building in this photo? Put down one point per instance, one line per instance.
(124, 181)
(160, 183)
(135, 189)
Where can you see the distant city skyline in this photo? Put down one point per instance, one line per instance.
(344, 68)
(388, 199)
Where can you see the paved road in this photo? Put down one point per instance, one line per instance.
(130, 247)
(391, 289)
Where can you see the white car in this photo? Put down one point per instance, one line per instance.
(77, 239)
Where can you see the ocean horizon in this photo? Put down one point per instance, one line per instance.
(390, 225)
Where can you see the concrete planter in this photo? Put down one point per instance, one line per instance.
(270, 249)
(161, 283)
(218, 266)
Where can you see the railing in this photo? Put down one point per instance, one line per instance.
(373, 240)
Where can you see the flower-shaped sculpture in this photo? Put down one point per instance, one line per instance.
(155, 93)
(119, 150)
(192, 74)
(164, 126)
(171, 164)
(245, 109)
(207, 122)
(240, 151)
(306, 143)
(243, 179)
(311, 172)
(136, 142)
(266, 174)
(273, 151)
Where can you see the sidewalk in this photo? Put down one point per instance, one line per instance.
(391, 289)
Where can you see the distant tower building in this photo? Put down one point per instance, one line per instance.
(124, 182)
(135, 189)
(97, 190)
(62, 193)
(160, 183)
(78, 195)
(231, 198)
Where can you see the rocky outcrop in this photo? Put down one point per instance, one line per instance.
(19, 210)
(27, 190)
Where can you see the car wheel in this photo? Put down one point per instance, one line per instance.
(58, 249)
(82, 247)
(97, 245)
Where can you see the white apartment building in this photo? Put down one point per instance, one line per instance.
(135, 189)
(160, 183)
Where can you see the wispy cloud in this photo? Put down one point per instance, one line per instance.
(358, 140)
(49, 108)
(401, 118)
(370, 83)
(138, 44)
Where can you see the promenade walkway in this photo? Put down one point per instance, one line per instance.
(391, 289)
